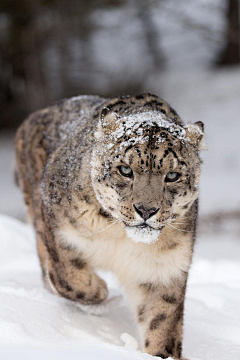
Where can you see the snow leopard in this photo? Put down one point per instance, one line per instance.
(113, 184)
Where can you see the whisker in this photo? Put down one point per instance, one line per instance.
(174, 227)
(107, 227)
(180, 230)
(183, 223)
(110, 221)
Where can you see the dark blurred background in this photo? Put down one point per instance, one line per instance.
(51, 49)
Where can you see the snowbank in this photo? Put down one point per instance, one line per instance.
(36, 324)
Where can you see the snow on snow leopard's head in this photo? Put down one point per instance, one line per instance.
(145, 170)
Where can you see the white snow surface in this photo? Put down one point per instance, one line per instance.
(35, 323)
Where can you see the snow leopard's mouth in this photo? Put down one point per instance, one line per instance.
(145, 226)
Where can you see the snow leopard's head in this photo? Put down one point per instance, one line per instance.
(145, 170)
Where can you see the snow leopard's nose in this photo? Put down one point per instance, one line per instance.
(144, 212)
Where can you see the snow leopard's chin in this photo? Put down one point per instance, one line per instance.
(140, 234)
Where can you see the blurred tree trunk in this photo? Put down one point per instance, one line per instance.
(74, 26)
(25, 85)
(32, 47)
(151, 33)
(231, 53)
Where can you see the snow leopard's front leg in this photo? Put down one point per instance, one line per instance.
(66, 272)
(159, 313)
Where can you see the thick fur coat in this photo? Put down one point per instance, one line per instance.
(113, 184)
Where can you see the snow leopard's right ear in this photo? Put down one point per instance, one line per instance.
(106, 122)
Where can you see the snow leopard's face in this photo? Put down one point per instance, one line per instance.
(145, 171)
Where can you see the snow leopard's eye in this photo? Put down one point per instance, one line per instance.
(172, 176)
(125, 171)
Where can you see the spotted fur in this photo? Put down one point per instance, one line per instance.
(88, 215)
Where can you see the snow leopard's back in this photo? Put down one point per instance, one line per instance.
(47, 129)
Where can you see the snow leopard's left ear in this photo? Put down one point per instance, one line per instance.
(106, 123)
(195, 134)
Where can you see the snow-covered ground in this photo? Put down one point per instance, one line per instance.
(36, 324)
